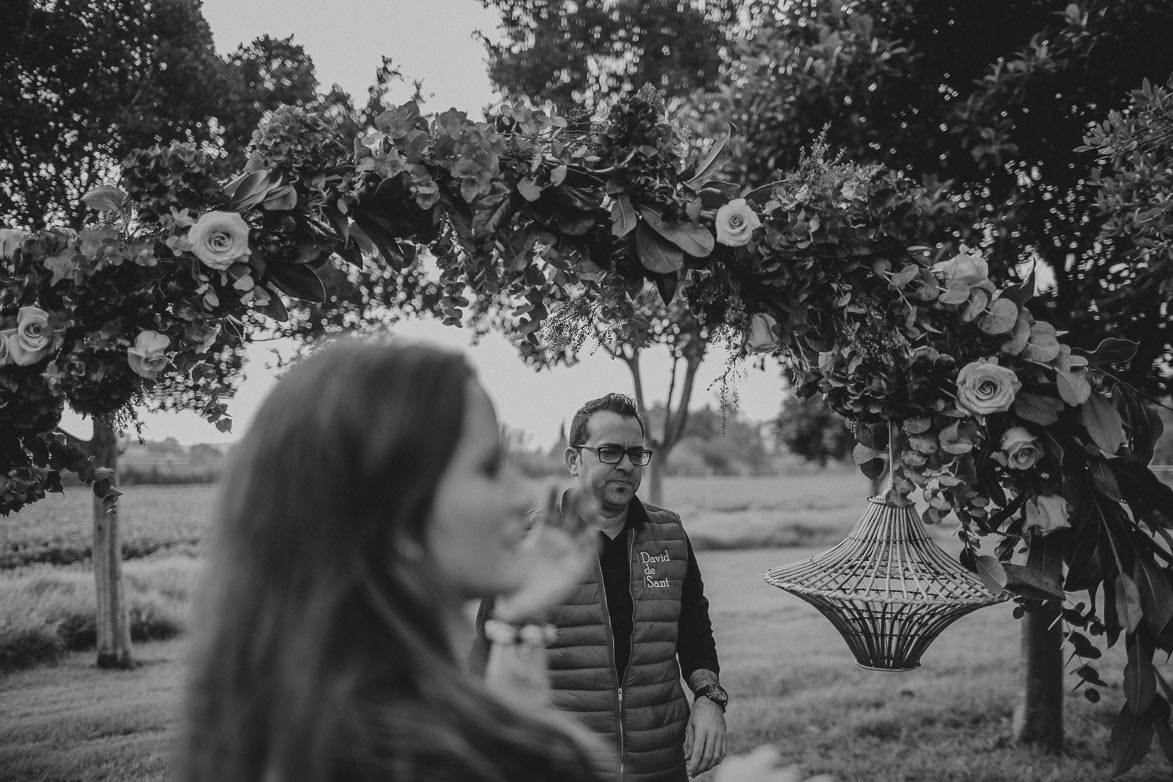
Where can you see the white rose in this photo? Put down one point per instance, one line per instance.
(10, 240)
(147, 357)
(968, 266)
(1020, 449)
(219, 239)
(1046, 513)
(983, 387)
(33, 338)
(736, 221)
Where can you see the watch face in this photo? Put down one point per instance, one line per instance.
(716, 693)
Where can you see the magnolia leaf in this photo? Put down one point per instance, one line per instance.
(1105, 480)
(693, 239)
(1128, 605)
(298, 282)
(558, 174)
(1038, 409)
(657, 255)
(1112, 350)
(709, 166)
(1103, 423)
(623, 217)
(105, 198)
(279, 199)
(1156, 596)
(491, 213)
(1022, 292)
(248, 190)
(1001, 318)
(992, 574)
(274, 308)
(1132, 736)
(1074, 388)
(1032, 584)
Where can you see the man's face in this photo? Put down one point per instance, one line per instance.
(612, 485)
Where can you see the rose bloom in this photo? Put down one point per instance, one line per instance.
(1020, 449)
(1046, 513)
(983, 387)
(33, 339)
(219, 239)
(147, 357)
(736, 222)
(968, 266)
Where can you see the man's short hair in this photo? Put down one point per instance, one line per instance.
(620, 404)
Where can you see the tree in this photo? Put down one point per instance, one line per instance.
(812, 431)
(997, 105)
(83, 85)
(586, 52)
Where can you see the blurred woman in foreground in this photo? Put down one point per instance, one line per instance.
(364, 508)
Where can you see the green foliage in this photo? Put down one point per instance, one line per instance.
(85, 83)
(997, 104)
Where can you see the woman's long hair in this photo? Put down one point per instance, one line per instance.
(320, 650)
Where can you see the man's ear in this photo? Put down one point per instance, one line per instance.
(573, 457)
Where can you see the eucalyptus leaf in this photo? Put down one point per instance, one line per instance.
(1032, 584)
(1140, 680)
(1000, 319)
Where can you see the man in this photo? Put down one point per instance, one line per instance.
(633, 617)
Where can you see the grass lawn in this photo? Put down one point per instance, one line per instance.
(792, 681)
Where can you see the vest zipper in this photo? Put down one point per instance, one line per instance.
(614, 667)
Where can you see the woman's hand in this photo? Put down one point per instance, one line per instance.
(558, 551)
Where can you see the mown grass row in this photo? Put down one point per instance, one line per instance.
(46, 612)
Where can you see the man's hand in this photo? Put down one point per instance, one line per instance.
(704, 738)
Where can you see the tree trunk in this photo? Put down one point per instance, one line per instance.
(114, 649)
(655, 474)
(1038, 719)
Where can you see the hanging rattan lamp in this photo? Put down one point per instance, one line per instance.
(888, 588)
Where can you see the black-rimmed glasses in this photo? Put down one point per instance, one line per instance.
(613, 454)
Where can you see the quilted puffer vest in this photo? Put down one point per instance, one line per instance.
(645, 714)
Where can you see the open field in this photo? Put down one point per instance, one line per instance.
(792, 679)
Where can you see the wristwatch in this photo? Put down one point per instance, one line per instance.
(714, 692)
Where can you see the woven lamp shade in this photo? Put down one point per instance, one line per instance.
(888, 588)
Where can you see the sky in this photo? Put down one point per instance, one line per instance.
(433, 40)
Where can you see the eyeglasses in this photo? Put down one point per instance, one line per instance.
(613, 454)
